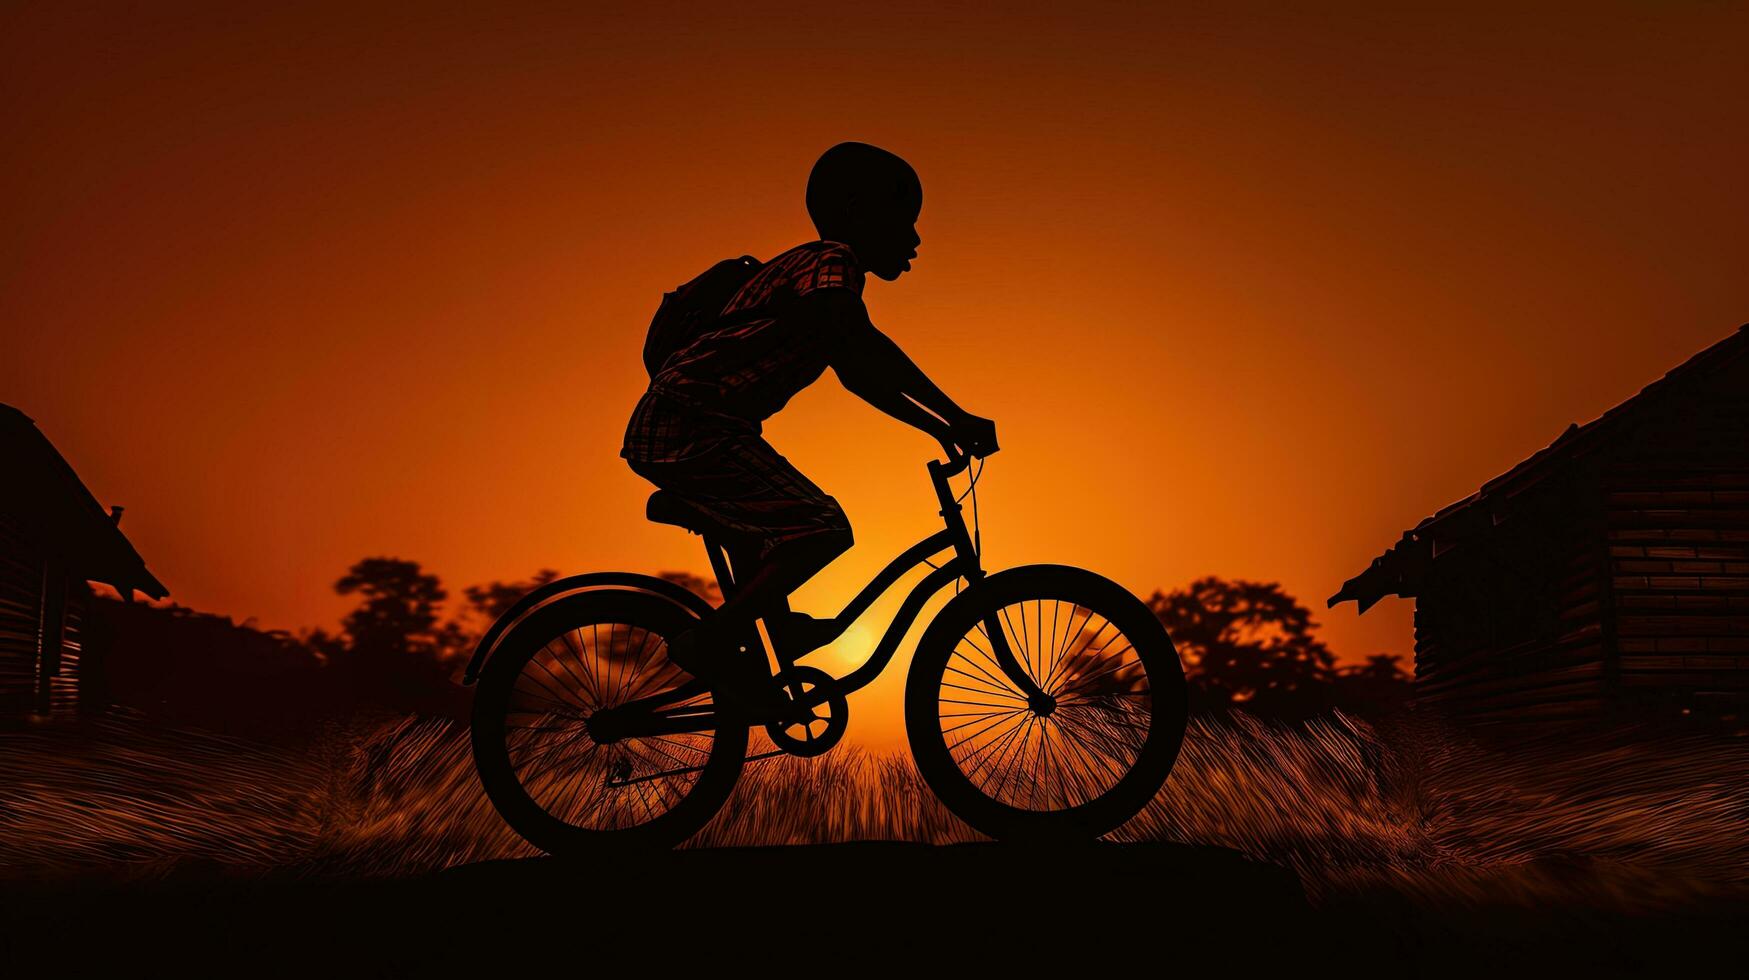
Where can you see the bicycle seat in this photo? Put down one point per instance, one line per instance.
(669, 508)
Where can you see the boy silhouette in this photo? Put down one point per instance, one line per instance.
(696, 432)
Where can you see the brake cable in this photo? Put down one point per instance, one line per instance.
(977, 531)
(977, 541)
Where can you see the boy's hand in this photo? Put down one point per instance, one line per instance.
(971, 435)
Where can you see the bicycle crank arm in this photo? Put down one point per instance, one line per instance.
(1006, 660)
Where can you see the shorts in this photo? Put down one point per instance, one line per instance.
(748, 487)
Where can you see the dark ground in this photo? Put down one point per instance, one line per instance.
(855, 907)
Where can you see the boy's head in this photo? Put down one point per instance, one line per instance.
(869, 199)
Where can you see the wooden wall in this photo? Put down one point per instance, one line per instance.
(1509, 625)
(1678, 498)
(21, 581)
(31, 595)
(1621, 581)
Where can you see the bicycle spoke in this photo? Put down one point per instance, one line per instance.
(981, 691)
(558, 706)
(1053, 783)
(1035, 642)
(1075, 754)
(981, 704)
(990, 659)
(655, 746)
(1019, 747)
(1003, 689)
(1082, 679)
(558, 692)
(1069, 649)
(1080, 655)
(586, 784)
(589, 664)
(576, 651)
(1056, 608)
(979, 714)
(1080, 769)
(684, 746)
(968, 738)
(998, 745)
(614, 666)
(658, 771)
(582, 767)
(1095, 744)
(646, 654)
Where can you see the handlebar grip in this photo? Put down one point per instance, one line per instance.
(953, 466)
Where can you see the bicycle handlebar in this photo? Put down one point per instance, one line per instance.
(954, 465)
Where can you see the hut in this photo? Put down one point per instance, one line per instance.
(1606, 575)
(54, 539)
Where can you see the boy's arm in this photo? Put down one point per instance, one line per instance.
(876, 370)
(891, 401)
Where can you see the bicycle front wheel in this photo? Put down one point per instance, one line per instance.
(562, 747)
(1081, 761)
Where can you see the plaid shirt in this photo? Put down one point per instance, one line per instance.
(729, 380)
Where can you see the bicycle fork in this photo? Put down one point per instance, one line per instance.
(971, 564)
(1036, 698)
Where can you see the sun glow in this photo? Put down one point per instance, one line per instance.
(1235, 322)
(849, 651)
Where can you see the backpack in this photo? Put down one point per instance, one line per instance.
(694, 307)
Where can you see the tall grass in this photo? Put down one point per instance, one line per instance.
(1410, 806)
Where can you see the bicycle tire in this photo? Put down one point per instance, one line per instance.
(509, 687)
(1101, 706)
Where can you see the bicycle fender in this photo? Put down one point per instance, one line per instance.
(591, 581)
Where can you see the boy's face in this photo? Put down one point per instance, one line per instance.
(884, 234)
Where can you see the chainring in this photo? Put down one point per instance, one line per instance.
(830, 717)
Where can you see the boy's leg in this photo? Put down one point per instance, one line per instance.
(763, 590)
(773, 511)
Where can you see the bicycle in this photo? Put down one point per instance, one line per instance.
(585, 736)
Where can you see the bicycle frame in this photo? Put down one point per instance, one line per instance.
(965, 563)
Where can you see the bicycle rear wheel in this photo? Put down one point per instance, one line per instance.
(1075, 765)
(558, 772)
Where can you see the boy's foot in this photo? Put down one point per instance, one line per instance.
(802, 633)
(749, 686)
(756, 694)
(682, 652)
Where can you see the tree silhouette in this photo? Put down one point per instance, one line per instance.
(1385, 667)
(1379, 684)
(494, 599)
(396, 651)
(399, 610)
(1247, 644)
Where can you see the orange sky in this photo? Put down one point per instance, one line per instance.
(1247, 292)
